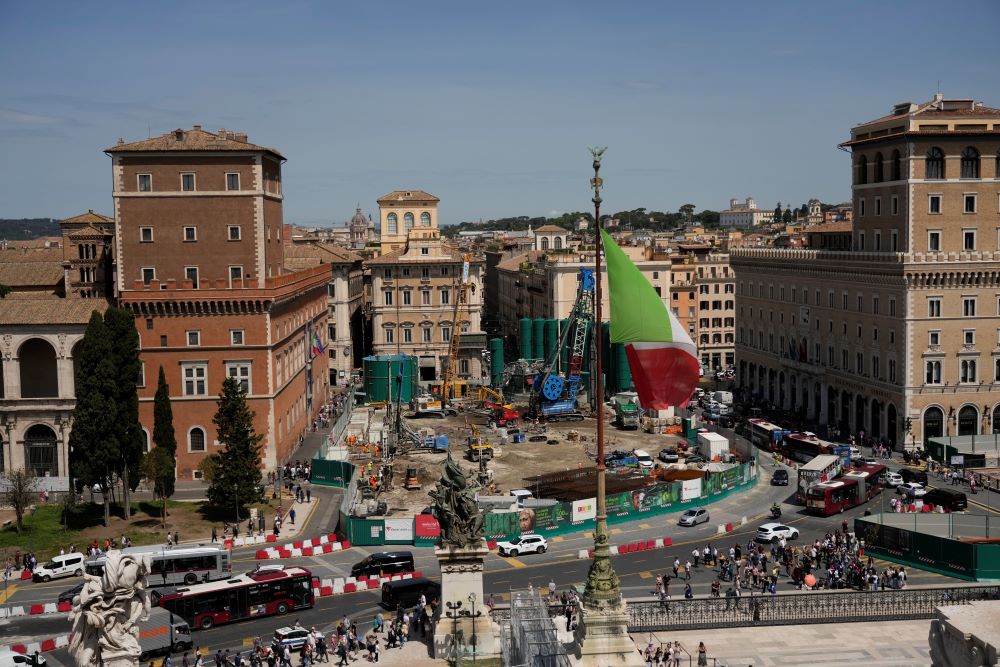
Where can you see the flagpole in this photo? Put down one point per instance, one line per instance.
(602, 588)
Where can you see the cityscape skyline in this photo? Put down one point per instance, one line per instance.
(502, 103)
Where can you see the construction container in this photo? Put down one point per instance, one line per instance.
(496, 361)
(551, 338)
(524, 339)
(538, 338)
(383, 381)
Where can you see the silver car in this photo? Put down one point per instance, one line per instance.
(693, 517)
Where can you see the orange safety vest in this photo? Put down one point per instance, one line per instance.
(372, 482)
(376, 451)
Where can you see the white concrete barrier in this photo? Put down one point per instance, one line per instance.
(296, 553)
(582, 554)
(62, 641)
(658, 542)
(50, 608)
(720, 530)
(326, 583)
(614, 549)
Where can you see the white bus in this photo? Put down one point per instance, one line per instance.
(180, 564)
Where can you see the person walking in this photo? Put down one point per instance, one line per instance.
(702, 655)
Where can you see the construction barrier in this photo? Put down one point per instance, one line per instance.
(632, 547)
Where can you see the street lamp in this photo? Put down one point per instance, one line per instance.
(454, 611)
(474, 615)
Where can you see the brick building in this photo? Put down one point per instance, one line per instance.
(200, 261)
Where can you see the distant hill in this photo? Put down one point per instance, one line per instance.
(25, 229)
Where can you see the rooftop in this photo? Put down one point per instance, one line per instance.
(195, 139)
(550, 229)
(407, 196)
(90, 218)
(305, 255)
(938, 107)
(48, 310)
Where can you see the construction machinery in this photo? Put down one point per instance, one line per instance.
(463, 288)
(431, 405)
(627, 411)
(554, 390)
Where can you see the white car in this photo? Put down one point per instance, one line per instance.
(693, 517)
(645, 460)
(525, 544)
(916, 487)
(293, 637)
(772, 532)
(893, 479)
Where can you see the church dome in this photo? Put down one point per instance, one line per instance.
(359, 218)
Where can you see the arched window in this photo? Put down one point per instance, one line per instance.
(897, 172)
(558, 243)
(996, 419)
(196, 439)
(970, 162)
(545, 243)
(934, 164)
(408, 221)
(40, 451)
(968, 371)
(933, 424)
(39, 373)
(145, 441)
(704, 339)
(390, 222)
(968, 420)
(425, 219)
(878, 168)
(716, 338)
(862, 170)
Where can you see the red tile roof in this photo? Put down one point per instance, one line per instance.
(195, 139)
(407, 196)
(90, 218)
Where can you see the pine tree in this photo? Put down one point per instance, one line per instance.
(94, 449)
(235, 478)
(125, 356)
(163, 431)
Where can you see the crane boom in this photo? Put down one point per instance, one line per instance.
(461, 303)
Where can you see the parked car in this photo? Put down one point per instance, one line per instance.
(916, 489)
(67, 596)
(693, 517)
(645, 460)
(893, 479)
(914, 475)
(382, 563)
(772, 532)
(406, 592)
(293, 636)
(780, 477)
(668, 455)
(525, 544)
(65, 565)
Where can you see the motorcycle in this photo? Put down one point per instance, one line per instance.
(775, 512)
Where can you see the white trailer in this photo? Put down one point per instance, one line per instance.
(712, 444)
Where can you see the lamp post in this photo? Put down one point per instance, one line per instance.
(474, 615)
(454, 611)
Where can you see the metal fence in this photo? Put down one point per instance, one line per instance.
(528, 636)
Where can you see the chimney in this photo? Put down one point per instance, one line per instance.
(120, 141)
(230, 135)
(179, 134)
(197, 127)
(222, 133)
(241, 137)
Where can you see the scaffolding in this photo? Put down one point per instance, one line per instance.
(529, 639)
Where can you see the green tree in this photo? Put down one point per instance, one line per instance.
(687, 210)
(803, 211)
(19, 493)
(786, 217)
(125, 356)
(94, 449)
(158, 467)
(777, 212)
(163, 431)
(236, 477)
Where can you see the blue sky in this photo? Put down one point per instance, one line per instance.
(490, 106)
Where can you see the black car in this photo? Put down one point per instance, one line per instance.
(383, 563)
(909, 475)
(67, 596)
(407, 592)
(780, 477)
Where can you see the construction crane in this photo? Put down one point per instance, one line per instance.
(553, 395)
(461, 308)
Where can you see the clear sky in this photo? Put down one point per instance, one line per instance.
(489, 106)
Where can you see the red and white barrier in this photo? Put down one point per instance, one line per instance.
(324, 544)
(36, 609)
(42, 646)
(342, 585)
(632, 547)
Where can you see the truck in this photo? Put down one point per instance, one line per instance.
(433, 405)
(723, 397)
(163, 633)
(712, 444)
(626, 405)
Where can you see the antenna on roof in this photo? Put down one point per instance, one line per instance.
(149, 130)
(939, 86)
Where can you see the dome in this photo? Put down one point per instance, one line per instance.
(359, 218)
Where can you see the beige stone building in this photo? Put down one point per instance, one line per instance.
(904, 325)
(702, 270)
(414, 288)
(745, 215)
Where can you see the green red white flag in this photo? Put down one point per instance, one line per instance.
(662, 357)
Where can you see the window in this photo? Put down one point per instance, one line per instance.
(240, 370)
(463, 366)
(195, 379)
(193, 338)
(149, 323)
(968, 239)
(425, 251)
(235, 233)
(390, 336)
(878, 169)
(933, 338)
(163, 341)
(390, 222)
(934, 241)
(145, 234)
(875, 305)
(861, 235)
(425, 219)
(934, 164)
(407, 335)
(862, 203)
(191, 274)
(969, 203)
(932, 372)
(970, 162)
(187, 182)
(387, 274)
(145, 182)
(408, 221)
(425, 273)
(969, 337)
(148, 275)
(878, 210)
(196, 440)
(968, 306)
(860, 358)
(892, 370)
(140, 381)
(232, 181)
(236, 336)
(894, 240)
(190, 234)
(387, 297)
(934, 204)
(896, 172)
(425, 335)
(445, 297)
(862, 170)
(407, 297)
(425, 297)
(545, 243)
(894, 205)
(445, 334)
(967, 371)
(934, 307)
(892, 307)
(235, 273)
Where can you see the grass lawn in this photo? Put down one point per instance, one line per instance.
(45, 532)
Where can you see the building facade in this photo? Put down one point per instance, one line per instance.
(744, 215)
(200, 257)
(903, 328)
(415, 288)
(702, 296)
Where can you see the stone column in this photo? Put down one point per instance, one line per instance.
(462, 577)
(965, 635)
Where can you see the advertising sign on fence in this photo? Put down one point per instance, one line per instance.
(399, 530)
(691, 488)
(584, 509)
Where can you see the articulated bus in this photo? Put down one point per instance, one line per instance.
(804, 446)
(870, 479)
(835, 496)
(181, 564)
(263, 592)
(765, 434)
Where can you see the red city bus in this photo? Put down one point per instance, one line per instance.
(765, 434)
(804, 446)
(263, 592)
(870, 479)
(826, 498)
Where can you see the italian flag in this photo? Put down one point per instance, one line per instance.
(661, 355)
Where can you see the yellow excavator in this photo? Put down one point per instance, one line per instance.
(478, 448)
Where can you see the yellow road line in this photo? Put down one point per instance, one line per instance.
(5, 594)
(515, 563)
(646, 575)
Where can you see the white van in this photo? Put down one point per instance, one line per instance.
(66, 565)
(724, 397)
(521, 495)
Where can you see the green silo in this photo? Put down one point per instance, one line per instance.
(623, 374)
(524, 340)
(382, 380)
(608, 359)
(551, 338)
(564, 352)
(496, 362)
(538, 338)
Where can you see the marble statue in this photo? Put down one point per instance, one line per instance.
(456, 509)
(104, 615)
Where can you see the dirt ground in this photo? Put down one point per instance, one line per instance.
(512, 462)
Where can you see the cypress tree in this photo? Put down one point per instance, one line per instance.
(236, 476)
(163, 432)
(125, 356)
(94, 449)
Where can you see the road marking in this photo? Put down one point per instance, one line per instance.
(646, 575)
(514, 562)
(248, 641)
(5, 594)
(557, 539)
(645, 526)
(617, 531)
